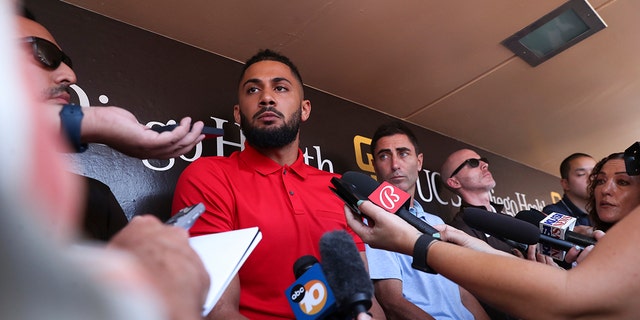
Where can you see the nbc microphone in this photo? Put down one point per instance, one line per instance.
(536, 217)
(504, 226)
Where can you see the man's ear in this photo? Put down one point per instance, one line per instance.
(453, 183)
(420, 162)
(236, 113)
(565, 184)
(306, 110)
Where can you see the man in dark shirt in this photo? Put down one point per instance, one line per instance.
(574, 178)
(467, 174)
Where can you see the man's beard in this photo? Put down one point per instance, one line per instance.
(272, 137)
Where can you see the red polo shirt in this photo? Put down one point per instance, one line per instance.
(292, 206)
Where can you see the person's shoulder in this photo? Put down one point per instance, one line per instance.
(554, 207)
(211, 166)
(313, 171)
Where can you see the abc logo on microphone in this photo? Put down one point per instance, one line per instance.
(310, 296)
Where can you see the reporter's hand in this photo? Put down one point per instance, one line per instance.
(119, 129)
(453, 235)
(385, 230)
(173, 266)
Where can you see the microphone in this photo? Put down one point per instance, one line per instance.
(501, 225)
(535, 217)
(346, 274)
(310, 296)
(386, 196)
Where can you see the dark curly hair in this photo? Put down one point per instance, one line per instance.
(591, 205)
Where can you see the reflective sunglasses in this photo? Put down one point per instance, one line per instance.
(47, 53)
(473, 163)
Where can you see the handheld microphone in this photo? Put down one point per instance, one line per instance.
(501, 225)
(346, 274)
(386, 196)
(310, 296)
(534, 217)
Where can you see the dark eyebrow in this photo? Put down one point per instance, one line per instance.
(280, 79)
(252, 80)
(383, 151)
(258, 81)
(397, 149)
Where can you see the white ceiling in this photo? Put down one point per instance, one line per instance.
(436, 64)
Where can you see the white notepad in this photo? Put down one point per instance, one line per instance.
(223, 254)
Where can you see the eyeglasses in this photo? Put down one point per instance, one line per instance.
(47, 53)
(473, 163)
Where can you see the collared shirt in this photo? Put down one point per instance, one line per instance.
(566, 207)
(292, 205)
(432, 293)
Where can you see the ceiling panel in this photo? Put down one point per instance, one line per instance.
(437, 64)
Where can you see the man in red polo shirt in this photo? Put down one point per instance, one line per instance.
(267, 185)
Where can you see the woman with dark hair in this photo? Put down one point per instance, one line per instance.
(612, 192)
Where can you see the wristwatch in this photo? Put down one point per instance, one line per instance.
(70, 122)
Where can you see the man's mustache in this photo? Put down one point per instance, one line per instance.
(55, 91)
(268, 109)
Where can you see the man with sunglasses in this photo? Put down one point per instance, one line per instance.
(49, 71)
(157, 256)
(467, 174)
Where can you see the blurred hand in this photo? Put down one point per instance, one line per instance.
(119, 129)
(174, 268)
(453, 235)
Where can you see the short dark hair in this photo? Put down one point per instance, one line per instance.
(392, 128)
(565, 166)
(270, 55)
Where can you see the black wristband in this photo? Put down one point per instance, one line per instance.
(70, 121)
(420, 251)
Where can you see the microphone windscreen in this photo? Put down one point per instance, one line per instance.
(343, 267)
(363, 183)
(532, 216)
(500, 225)
(303, 264)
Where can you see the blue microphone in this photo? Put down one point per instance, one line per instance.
(310, 296)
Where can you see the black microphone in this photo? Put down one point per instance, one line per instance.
(501, 225)
(366, 186)
(534, 217)
(346, 273)
(303, 264)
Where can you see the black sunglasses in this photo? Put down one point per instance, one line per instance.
(47, 53)
(473, 163)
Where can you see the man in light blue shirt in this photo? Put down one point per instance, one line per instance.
(404, 292)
